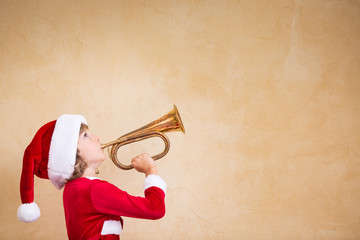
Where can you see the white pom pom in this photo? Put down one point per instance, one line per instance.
(28, 212)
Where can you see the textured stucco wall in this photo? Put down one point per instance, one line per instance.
(268, 92)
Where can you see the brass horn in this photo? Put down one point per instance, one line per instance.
(170, 122)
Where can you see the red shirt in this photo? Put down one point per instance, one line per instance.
(88, 203)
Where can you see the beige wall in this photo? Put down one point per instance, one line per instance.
(268, 92)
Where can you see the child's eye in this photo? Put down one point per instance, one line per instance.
(85, 135)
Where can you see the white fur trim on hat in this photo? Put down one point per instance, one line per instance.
(154, 181)
(28, 212)
(62, 153)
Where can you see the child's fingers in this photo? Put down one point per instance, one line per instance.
(142, 162)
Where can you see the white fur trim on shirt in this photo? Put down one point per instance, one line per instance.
(154, 181)
(92, 178)
(111, 227)
(63, 146)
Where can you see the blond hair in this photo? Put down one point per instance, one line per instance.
(80, 165)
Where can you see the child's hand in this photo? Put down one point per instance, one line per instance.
(144, 163)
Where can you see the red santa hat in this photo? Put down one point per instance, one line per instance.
(50, 155)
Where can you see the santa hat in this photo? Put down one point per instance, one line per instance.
(50, 155)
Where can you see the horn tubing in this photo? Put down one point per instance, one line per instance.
(116, 145)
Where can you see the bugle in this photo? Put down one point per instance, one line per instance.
(170, 122)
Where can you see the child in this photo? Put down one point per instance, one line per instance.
(67, 153)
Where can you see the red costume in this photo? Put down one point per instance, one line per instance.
(93, 207)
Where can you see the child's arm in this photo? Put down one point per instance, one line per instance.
(109, 199)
